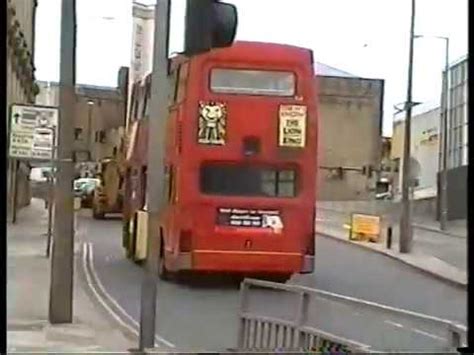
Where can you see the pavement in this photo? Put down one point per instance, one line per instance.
(457, 228)
(201, 313)
(28, 280)
(441, 254)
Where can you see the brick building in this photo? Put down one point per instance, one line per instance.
(21, 86)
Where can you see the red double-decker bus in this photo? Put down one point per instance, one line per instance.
(240, 164)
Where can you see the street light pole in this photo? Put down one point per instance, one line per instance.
(90, 105)
(444, 155)
(155, 172)
(406, 232)
(62, 266)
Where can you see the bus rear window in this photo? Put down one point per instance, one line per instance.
(252, 82)
(237, 180)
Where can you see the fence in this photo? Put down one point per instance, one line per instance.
(264, 333)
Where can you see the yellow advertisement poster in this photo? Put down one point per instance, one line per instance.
(366, 226)
(292, 126)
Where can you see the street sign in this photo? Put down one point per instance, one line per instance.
(33, 132)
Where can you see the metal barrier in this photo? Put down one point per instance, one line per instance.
(263, 333)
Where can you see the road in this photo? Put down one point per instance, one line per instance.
(202, 314)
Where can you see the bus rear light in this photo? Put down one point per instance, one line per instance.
(185, 241)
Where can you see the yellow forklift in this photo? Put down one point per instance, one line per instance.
(108, 195)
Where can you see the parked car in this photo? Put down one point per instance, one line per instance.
(384, 196)
(84, 188)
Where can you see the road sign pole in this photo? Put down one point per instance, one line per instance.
(444, 135)
(61, 288)
(51, 195)
(16, 163)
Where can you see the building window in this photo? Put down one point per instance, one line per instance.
(78, 134)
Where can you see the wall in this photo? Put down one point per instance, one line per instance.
(424, 150)
(21, 88)
(350, 135)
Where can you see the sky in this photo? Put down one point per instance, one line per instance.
(368, 38)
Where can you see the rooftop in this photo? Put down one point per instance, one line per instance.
(104, 92)
(327, 70)
(143, 11)
(417, 110)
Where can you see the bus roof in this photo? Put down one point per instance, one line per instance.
(261, 51)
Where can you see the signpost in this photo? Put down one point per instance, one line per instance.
(33, 132)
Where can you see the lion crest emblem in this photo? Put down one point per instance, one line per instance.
(212, 123)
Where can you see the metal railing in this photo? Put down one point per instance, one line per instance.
(263, 333)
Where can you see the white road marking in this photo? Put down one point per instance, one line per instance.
(398, 325)
(433, 336)
(101, 287)
(96, 294)
(415, 330)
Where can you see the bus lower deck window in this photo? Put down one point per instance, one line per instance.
(236, 180)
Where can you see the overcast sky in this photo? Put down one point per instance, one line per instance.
(368, 38)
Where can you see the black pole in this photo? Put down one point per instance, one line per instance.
(389, 237)
(406, 231)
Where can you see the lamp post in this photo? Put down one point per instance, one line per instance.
(443, 194)
(406, 231)
(90, 105)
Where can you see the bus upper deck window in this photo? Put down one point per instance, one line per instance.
(253, 82)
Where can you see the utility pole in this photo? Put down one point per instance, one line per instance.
(406, 231)
(155, 172)
(61, 289)
(444, 156)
